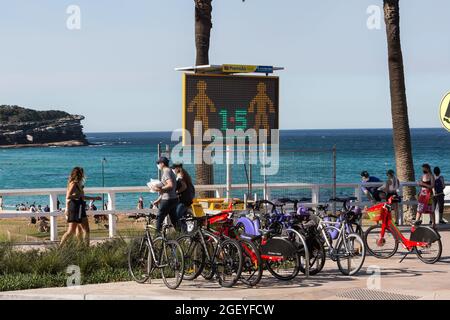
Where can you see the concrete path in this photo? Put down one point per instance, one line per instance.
(409, 280)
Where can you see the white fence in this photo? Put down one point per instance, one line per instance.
(220, 191)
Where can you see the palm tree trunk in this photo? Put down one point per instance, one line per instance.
(204, 173)
(399, 106)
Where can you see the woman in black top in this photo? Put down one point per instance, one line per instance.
(76, 205)
(186, 194)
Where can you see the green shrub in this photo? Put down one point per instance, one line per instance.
(105, 262)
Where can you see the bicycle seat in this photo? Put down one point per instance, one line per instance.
(265, 232)
(250, 237)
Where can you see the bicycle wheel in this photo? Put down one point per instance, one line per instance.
(228, 263)
(194, 257)
(172, 264)
(139, 259)
(317, 256)
(252, 269)
(431, 253)
(208, 269)
(285, 269)
(381, 248)
(351, 259)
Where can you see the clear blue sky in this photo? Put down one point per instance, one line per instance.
(118, 70)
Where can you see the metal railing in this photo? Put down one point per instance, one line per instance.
(220, 191)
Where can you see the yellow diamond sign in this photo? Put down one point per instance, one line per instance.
(444, 113)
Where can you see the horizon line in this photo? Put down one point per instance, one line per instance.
(336, 129)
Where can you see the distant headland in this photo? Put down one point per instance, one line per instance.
(22, 127)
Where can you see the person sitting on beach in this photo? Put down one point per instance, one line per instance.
(92, 206)
(372, 193)
(186, 194)
(76, 206)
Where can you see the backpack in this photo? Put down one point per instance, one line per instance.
(439, 185)
(187, 196)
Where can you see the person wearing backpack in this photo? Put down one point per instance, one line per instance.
(186, 194)
(439, 197)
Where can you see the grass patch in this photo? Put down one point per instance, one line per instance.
(20, 229)
(105, 262)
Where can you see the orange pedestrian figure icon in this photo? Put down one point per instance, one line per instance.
(201, 102)
(262, 103)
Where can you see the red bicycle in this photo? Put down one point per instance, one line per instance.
(382, 240)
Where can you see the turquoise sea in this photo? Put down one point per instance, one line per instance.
(131, 160)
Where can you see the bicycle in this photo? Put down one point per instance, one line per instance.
(349, 252)
(280, 246)
(382, 240)
(353, 223)
(145, 255)
(252, 267)
(210, 255)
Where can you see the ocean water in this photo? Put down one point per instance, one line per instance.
(304, 157)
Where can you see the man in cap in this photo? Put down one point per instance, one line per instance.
(168, 200)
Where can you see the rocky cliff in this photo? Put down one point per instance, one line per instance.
(25, 127)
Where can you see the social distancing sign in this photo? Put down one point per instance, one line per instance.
(444, 112)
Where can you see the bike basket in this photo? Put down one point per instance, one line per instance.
(197, 210)
(375, 212)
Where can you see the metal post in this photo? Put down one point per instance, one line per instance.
(112, 217)
(250, 177)
(53, 218)
(265, 195)
(400, 206)
(315, 194)
(229, 172)
(245, 201)
(334, 178)
(159, 155)
(103, 182)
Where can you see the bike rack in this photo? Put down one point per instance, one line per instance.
(306, 250)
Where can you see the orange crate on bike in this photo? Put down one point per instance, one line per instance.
(375, 212)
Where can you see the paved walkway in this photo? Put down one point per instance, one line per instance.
(411, 279)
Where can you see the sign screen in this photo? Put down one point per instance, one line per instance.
(230, 102)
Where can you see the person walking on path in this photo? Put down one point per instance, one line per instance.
(186, 194)
(425, 205)
(168, 199)
(76, 206)
(439, 197)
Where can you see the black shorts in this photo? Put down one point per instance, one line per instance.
(76, 211)
(377, 195)
(391, 194)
